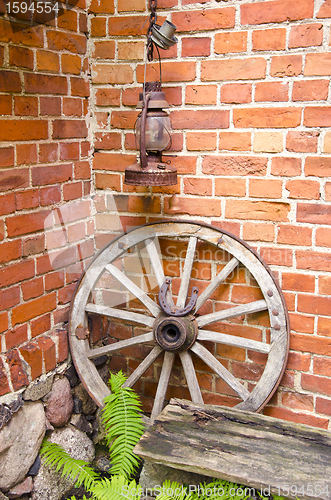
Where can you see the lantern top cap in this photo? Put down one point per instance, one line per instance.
(157, 96)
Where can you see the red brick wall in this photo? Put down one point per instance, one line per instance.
(249, 84)
(45, 221)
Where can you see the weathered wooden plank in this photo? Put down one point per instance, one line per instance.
(186, 276)
(162, 387)
(294, 460)
(121, 344)
(232, 312)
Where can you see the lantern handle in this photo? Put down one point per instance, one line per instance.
(143, 155)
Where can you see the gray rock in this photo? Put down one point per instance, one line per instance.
(60, 403)
(153, 475)
(88, 405)
(23, 488)
(5, 415)
(38, 390)
(8, 409)
(72, 376)
(3, 497)
(48, 483)
(34, 469)
(81, 423)
(20, 441)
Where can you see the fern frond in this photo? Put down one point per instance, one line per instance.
(118, 488)
(171, 490)
(123, 425)
(71, 468)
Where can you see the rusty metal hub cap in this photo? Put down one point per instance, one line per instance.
(175, 334)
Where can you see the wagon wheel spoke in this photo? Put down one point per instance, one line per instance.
(216, 282)
(112, 312)
(233, 340)
(140, 370)
(134, 289)
(218, 368)
(185, 278)
(140, 339)
(191, 377)
(232, 312)
(163, 384)
(157, 267)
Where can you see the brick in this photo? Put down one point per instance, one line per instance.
(325, 284)
(65, 294)
(18, 376)
(98, 26)
(4, 386)
(6, 157)
(313, 304)
(265, 188)
(131, 5)
(288, 65)
(33, 356)
(286, 166)
(73, 212)
(112, 73)
(294, 235)
(67, 19)
(33, 245)
(48, 349)
(269, 39)
(59, 40)
(306, 35)
(234, 165)
(107, 140)
(318, 166)
(230, 187)
(12, 179)
(327, 143)
(314, 213)
(10, 297)
(41, 176)
(201, 94)
(112, 161)
(303, 189)
(123, 119)
(316, 261)
(82, 170)
(21, 57)
(67, 129)
(72, 191)
(195, 46)
(195, 206)
(277, 257)
(69, 151)
(172, 71)
(10, 250)
(102, 6)
(27, 199)
(62, 345)
(257, 210)
(201, 141)
(47, 60)
(71, 63)
(5, 105)
(26, 106)
(233, 69)
(315, 384)
(302, 142)
(268, 142)
(33, 308)
(54, 280)
(298, 282)
(323, 236)
(198, 186)
(126, 25)
(324, 326)
(27, 223)
(235, 141)
(276, 11)
(200, 119)
(258, 232)
(322, 366)
(10, 81)
(325, 10)
(131, 50)
(104, 49)
(33, 37)
(323, 406)
(45, 84)
(108, 181)
(230, 42)
(26, 154)
(112, 97)
(236, 93)
(298, 401)
(318, 64)
(287, 117)
(72, 106)
(271, 91)
(317, 116)
(79, 87)
(50, 106)
(204, 19)
(32, 289)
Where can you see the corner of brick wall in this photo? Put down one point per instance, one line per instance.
(46, 223)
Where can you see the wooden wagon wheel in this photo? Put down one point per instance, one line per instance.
(129, 281)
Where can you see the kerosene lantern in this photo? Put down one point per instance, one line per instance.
(153, 129)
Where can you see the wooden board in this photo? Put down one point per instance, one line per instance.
(293, 460)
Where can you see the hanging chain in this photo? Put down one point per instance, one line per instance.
(152, 21)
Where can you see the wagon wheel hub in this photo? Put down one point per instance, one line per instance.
(175, 334)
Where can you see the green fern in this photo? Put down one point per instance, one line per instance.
(118, 488)
(123, 424)
(71, 468)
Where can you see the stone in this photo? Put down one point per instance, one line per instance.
(22, 488)
(38, 390)
(88, 405)
(20, 441)
(16, 404)
(5, 415)
(153, 475)
(72, 376)
(78, 405)
(81, 423)
(8, 409)
(34, 469)
(60, 403)
(3, 497)
(49, 484)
